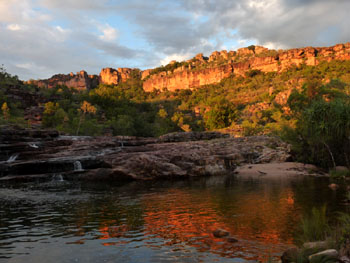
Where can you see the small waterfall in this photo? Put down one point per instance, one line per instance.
(121, 144)
(78, 167)
(33, 145)
(12, 158)
(57, 178)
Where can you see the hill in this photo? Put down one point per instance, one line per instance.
(247, 92)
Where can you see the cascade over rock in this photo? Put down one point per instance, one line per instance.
(41, 154)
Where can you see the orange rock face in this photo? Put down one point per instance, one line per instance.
(112, 76)
(186, 79)
(80, 81)
(221, 64)
(201, 70)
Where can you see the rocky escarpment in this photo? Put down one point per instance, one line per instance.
(203, 71)
(80, 81)
(31, 101)
(42, 154)
(112, 76)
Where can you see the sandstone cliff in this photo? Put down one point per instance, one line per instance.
(80, 81)
(203, 71)
(112, 76)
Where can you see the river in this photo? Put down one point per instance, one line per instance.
(164, 221)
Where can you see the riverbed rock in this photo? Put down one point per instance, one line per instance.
(28, 152)
(231, 239)
(345, 249)
(344, 259)
(191, 136)
(341, 169)
(329, 253)
(317, 244)
(220, 233)
(277, 170)
(333, 186)
(289, 255)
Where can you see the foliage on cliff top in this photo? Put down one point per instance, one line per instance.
(245, 105)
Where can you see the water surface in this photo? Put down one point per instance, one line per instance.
(157, 221)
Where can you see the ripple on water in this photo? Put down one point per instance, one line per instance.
(156, 222)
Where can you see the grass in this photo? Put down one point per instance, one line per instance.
(339, 174)
(314, 227)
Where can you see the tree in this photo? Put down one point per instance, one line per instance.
(325, 126)
(53, 115)
(51, 108)
(162, 113)
(5, 111)
(221, 115)
(86, 108)
(123, 125)
(322, 134)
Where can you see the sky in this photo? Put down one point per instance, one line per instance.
(40, 38)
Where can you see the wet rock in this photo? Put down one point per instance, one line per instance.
(220, 233)
(345, 249)
(232, 240)
(317, 244)
(329, 253)
(344, 259)
(333, 186)
(341, 169)
(191, 136)
(129, 158)
(289, 255)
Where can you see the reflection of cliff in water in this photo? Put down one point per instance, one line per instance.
(176, 217)
(189, 218)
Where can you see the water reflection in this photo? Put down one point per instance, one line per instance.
(190, 217)
(156, 222)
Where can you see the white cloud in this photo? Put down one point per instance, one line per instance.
(177, 57)
(26, 66)
(58, 36)
(109, 33)
(276, 46)
(34, 45)
(14, 27)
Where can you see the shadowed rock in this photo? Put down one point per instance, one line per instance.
(131, 158)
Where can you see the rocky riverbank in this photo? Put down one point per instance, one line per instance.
(27, 154)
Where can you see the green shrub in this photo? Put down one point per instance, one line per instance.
(314, 227)
(251, 128)
(343, 229)
(339, 174)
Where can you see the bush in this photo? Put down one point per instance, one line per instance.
(314, 227)
(251, 128)
(322, 134)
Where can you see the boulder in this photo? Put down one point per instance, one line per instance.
(231, 240)
(220, 233)
(329, 253)
(317, 244)
(341, 169)
(27, 152)
(289, 255)
(333, 186)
